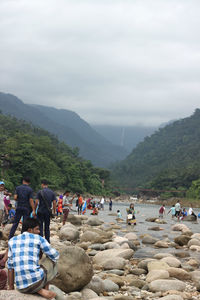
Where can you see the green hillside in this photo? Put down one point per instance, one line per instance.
(27, 150)
(168, 159)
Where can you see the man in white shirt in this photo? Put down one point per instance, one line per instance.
(177, 209)
(102, 203)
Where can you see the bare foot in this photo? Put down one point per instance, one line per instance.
(47, 294)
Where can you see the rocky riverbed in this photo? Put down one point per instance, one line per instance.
(99, 260)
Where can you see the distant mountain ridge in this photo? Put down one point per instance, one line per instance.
(67, 126)
(125, 136)
(170, 158)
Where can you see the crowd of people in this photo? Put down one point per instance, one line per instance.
(177, 211)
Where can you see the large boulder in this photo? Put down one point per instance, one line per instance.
(101, 257)
(110, 286)
(69, 233)
(196, 236)
(161, 244)
(164, 285)
(172, 297)
(182, 239)
(180, 227)
(96, 236)
(94, 221)
(74, 269)
(195, 242)
(74, 220)
(190, 218)
(148, 239)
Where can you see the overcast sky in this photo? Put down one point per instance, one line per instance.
(122, 62)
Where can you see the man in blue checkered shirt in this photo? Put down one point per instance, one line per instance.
(23, 261)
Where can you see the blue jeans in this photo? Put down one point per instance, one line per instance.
(44, 219)
(20, 212)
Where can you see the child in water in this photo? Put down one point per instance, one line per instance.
(119, 215)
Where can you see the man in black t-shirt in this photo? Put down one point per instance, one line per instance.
(24, 197)
(44, 205)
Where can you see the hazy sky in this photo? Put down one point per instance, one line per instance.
(119, 62)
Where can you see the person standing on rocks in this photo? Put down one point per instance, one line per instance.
(24, 198)
(23, 261)
(44, 201)
(67, 203)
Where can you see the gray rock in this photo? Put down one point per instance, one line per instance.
(148, 239)
(74, 268)
(164, 285)
(98, 247)
(88, 294)
(172, 297)
(94, 221)
(143, 263)
(96, 284)
(157, 274)
(195, 275)
(161, 255)
(172, 261)
(194, 242)
(137, 283)
(110, 286)
(15, 295)
(190, 218)
(114, 263)
(55, 289)
(103, 256)
(111, 245)
(69, 232)
(116, 272)
(138, 271)
(157, 265)
(74, 220)
(92, 253)
(179, 273)
(161, 244)
(74, 296)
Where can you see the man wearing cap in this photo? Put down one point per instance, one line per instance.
(2, 194)
(24, 197)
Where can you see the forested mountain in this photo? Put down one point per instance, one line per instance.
(68, 127)
(168, 159)
(126, 136)
(27, 150)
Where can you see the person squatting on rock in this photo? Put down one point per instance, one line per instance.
(44, 201)
(25, 204)
(23, 261)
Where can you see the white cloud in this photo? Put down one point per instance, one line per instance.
(111, 61)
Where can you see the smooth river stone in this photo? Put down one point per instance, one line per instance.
(164, 285)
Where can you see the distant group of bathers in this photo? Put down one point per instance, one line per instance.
(177, 211)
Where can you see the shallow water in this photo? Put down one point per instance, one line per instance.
(144, 211)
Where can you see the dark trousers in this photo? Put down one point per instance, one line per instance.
(44, 225)
(20, 212)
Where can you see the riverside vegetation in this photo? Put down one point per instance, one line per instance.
(27, 150)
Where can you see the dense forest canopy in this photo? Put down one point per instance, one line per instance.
(168, 159)
(27, 150)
